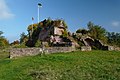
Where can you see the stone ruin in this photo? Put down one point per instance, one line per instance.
(55, 34)
(19, 52)
(86, 48)
(90, 43)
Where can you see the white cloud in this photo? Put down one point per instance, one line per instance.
(116, 23)
(5, 11)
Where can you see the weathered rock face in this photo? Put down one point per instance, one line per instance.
(49, 30)
(86, 48)
(111, 48)
(95, 43)
(19, 52)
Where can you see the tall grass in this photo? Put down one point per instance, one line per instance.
(94, 65)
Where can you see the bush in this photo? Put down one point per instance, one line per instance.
(80, 43)
(38, 43)
(22, 45)
(3, 42)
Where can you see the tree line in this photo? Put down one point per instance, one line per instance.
(100, 33)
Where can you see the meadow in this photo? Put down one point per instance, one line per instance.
(94, 65)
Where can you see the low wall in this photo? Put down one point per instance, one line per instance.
(115, 48)
(59, 49)
(86, 48)
(111, 48)
(18, 52)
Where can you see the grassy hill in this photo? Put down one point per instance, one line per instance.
(94, 65)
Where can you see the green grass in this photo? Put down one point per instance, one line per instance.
(94, 65)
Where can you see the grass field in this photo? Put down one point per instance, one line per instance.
(94, 65)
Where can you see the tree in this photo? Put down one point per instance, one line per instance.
(90, 25)
(3, 41)
(1, 34)
(23, 38)
(16, 42)
(113, 38)
(97, 32)
(82, 31)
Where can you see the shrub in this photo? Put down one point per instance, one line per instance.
(38, 43)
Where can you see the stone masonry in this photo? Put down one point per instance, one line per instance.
(19, 52)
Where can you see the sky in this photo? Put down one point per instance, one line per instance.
(16, 15)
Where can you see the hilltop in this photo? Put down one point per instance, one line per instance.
(52, 33)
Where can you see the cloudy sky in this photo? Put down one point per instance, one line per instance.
(16, 15)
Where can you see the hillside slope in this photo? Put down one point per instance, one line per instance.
(94, 65)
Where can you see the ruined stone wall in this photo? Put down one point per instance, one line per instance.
(59, 49)
(111, 48)
(19, 52)
(86, 48)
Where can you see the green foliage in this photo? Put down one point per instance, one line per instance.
(23, 38)
(22, 45)
(82, 31)
(32, 27)
(3, 41)
(97, 32)
(58, 22)
(94, 65)
(113, 38)
(15, 42)
(38, 43)
(48, 22)
(80, 43)
(1, 33)
(90, 25)
(65, 33)
(64, 24)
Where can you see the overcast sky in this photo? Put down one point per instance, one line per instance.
(16, 15)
